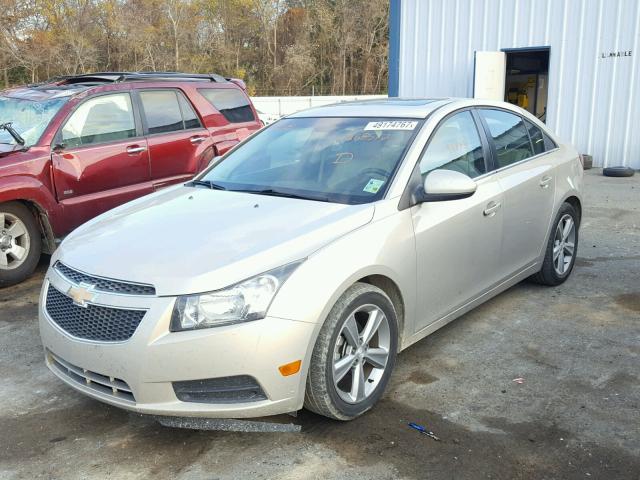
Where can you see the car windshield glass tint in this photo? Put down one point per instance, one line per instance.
(29, 118)
(344, 160)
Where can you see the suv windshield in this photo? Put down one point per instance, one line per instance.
(29, 118)
(343, 160)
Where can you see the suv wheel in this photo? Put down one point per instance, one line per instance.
(20, 243)
(354, 355)
(562, 248)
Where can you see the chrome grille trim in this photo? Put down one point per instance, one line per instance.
(96, 323)
(110, 386)
(101, 284)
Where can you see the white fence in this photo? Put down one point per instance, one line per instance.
(285, 105)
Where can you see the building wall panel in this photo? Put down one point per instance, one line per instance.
(593, 102)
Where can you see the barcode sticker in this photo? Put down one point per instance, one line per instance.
(391, 125)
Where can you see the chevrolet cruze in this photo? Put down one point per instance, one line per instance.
(291, 272)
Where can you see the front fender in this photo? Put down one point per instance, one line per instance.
(33, 191)
(385, 247)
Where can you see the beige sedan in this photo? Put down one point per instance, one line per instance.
(292, 271)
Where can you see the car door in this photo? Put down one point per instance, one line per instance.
(179, 146)
(100, 159)
(526, 175)
(457, 241)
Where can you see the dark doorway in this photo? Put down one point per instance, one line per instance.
(527, 79)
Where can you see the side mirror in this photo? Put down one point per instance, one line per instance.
(443, 185)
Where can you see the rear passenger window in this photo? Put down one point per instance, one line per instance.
(191, 120)
(106, 118)
(167, 111)
(231, 103)
(455, 145)
(537, 140)
(509, 136)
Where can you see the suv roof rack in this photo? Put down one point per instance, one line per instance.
(117, 77)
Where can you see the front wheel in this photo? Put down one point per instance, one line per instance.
(20, 243)
(562, 248)
(354, 355)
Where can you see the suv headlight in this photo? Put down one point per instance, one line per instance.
(242, 302)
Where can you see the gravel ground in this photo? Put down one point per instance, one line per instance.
(576, 415)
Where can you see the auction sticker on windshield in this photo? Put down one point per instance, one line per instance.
(391, 125)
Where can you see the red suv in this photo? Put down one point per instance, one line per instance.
(78, 146)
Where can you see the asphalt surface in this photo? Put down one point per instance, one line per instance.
(576, 414)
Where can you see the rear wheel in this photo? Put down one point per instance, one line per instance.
(354, 355)
(562, 248)
(20, 243)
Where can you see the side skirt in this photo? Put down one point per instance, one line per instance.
(483, 297)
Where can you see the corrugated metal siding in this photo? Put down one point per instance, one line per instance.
(593, 103)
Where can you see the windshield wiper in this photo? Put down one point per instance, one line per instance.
(279, 193)
(7, 126)
(206, 183)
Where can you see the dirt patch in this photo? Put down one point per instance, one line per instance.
(630, 301)
(420, 377)
(525, 450)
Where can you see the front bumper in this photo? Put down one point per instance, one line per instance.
(147, 363)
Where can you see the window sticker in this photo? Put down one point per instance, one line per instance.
(373, 186)
(391, 125)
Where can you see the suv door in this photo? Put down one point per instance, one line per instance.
(179, 146)
(458, 241)
(100, 159)
(525, 172)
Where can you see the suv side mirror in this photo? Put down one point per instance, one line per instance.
(443, 185)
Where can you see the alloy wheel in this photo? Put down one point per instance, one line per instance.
(564, 244)
(361, 353)
(14, 241)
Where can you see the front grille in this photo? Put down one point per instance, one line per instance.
(111, 386)
(237, 389)
(104, 284)
(93, 322)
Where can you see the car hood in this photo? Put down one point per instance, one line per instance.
(190, 240)
(9, 149)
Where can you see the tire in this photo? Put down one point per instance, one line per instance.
(325, 396)
(555, 271)
(618, 172)
(19, 235)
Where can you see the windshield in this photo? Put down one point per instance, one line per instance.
(29, 118)
(343, 160)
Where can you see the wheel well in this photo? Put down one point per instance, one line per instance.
(389, 287)
(575, 203)
(49, 244)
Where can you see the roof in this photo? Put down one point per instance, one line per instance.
(384, 107)
(38, 93)
(118, 77)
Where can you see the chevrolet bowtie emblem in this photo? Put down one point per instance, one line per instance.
(82, 294)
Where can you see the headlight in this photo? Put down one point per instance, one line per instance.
(242, 302)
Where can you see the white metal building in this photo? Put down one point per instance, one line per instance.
(573, 63)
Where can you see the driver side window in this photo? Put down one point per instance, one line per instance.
(455, 145)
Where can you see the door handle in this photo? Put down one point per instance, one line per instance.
(544, 181)
(135, 149)
(491, 209)
(195, 140)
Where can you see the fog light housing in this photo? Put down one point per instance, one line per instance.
(236, 389)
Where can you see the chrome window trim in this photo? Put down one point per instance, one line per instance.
(506, 167)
